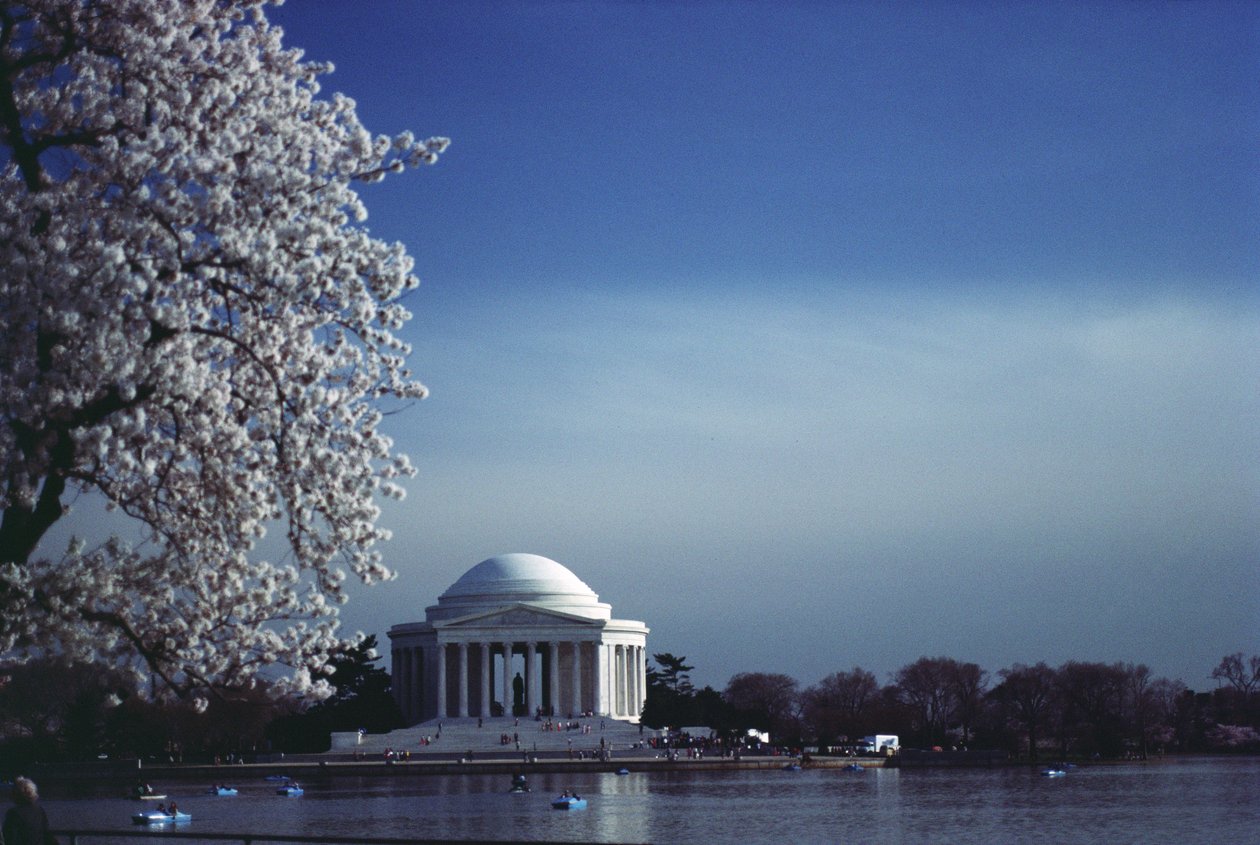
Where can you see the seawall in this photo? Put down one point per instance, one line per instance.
(317, 767)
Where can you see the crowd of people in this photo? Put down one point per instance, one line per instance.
(548, 725)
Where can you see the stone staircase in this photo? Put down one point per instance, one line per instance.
(485, 737)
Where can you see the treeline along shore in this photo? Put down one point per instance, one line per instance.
(68, 718)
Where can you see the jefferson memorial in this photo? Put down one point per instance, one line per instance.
(519, 634)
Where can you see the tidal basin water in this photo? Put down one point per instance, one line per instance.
(1178, 801)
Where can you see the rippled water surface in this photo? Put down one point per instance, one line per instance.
(1176, 801)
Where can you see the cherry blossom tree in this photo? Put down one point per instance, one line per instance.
(198, 328)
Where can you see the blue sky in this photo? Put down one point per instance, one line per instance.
(831, 334)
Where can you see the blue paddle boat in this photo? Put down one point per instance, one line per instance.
(161, 817)
(223, 790)
(569, 802)
(290, 789)
(1053, 773)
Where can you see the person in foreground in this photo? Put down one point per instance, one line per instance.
(26, 823)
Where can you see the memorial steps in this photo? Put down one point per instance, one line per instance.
(460, 735)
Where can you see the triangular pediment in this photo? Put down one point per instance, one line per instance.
(518, 616)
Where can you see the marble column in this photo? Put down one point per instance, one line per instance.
(640, 692)
(642, 677)
(422, 685)
(632, 680)
(553, 658)
(643, 674)
(441, 680)
(406, 681)
(396, 680)
(577, 679)
(484, 710)
(507, 679)
(531, 679)
(409, 695)
(628, 683)
(463, 680)
(623, 691)
(601, 680)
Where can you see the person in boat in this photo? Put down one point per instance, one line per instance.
(172, 810)
(161, 808)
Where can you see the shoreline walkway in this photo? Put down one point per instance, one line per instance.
(460, 746)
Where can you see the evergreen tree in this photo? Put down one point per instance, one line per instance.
(363, 700)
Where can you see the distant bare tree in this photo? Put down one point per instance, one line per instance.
(1027, 695)
(1243, 677)
(1139, 703)
(1093, 701)
(1167, 723)
(838, 705)
(925, 686)
(1237, 702)
(967, 685)
(770, 698)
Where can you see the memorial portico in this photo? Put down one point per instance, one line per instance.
(519, 634)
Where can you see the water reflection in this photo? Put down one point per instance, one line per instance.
(1179, 801)
(634, 783)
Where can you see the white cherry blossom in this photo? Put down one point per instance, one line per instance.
(196, 329)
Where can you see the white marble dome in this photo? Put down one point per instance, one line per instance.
(510, 579)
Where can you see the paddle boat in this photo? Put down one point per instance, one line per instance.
(143, 792)
(519, 785)
(792, 767)
(1053, 773)
(290, 789)
(569, 802)
(623, 771)
(161, 817)
(853, 767)
(223, 790)
(280, 778)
